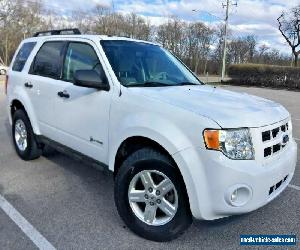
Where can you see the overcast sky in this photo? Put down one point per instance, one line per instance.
(256, 17)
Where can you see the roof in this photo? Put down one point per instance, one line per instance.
(83, 36)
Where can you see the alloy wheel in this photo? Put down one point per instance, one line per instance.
(21, 135)
(153, 197)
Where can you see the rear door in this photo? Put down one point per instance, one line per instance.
(45, 70)
(81, 115)
(17, 74)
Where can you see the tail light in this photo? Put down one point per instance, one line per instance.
(5, 84)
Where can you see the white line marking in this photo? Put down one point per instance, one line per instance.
(25, 226)
(296, 119)
(294, 187)
(297, 139)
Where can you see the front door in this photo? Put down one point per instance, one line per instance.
(81, 115)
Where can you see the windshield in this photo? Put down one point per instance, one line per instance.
(139, 64)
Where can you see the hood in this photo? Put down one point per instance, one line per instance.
(229, 109)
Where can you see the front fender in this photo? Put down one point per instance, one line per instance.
(153, 127)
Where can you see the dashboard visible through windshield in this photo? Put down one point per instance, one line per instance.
(138, 64)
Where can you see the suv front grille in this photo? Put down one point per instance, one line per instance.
(266, 135)
(274, 139)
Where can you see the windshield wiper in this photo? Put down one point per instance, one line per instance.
(160, 84)
(149, 84)
(186, 83)
(154, 84)
(166, 84)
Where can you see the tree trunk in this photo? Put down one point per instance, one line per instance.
(196, 65)
(205, 65)
(296, 60)
(6, 50)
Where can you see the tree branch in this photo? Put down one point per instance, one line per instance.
(282, 32)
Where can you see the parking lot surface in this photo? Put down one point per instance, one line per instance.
(71, 204)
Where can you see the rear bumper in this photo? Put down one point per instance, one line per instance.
(211, 177)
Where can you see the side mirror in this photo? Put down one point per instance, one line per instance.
(90, 79)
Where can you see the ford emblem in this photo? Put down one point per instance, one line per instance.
(285, 139)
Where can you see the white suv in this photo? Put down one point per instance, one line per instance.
(178, 148)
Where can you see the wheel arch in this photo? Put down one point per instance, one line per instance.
(134, 143)
(17, 104)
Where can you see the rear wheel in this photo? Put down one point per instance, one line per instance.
(23, 137)
(150, 196)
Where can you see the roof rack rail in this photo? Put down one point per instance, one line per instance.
(57, 32)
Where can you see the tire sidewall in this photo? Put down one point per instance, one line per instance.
(166, 232)
(20, 115)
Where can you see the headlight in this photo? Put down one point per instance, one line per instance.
(236, 144)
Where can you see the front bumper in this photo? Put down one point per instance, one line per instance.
(210, 178)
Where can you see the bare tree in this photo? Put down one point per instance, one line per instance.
(171, 35)
(18, 20)
(252, 42)
(199, 39)
(289, 26)
(82, 20)
(263, 49)
(238, 50)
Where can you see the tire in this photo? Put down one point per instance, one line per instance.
(140, 163)
(29, 150)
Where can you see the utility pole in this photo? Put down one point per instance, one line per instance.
(227, 5)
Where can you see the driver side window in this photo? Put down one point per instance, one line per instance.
(80, 56)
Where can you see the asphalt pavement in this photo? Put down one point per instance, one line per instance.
(70, 204)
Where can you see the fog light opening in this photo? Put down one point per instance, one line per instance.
(238, 195)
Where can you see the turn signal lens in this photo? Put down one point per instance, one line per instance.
(211, 138)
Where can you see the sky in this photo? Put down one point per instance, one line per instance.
(250, 17)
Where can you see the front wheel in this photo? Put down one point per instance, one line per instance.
(150, 196)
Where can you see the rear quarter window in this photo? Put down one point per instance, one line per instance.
(22, 56)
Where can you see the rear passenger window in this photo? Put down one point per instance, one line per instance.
(48, 60)
(80, 56)
(22, 56)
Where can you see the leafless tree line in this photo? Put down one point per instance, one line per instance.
(196, 44)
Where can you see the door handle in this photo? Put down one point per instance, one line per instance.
(63, 94)
(28, 85)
